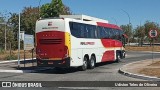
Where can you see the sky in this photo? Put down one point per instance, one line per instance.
(115, 11)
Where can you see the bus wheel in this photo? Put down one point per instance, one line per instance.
(84, 66)
(118, 57)
(124, 54)
(91, 63)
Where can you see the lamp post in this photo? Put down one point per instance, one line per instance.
(19, 40)
(129, 22)
(39, 8)
(4, 35)
(128, 16)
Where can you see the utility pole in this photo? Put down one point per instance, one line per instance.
(19, 41)
(39, 8)
(5, 38)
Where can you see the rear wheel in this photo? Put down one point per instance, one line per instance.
(118, 57)
(124, 54)
(84, 66)
(91, 63)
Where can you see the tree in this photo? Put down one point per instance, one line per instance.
(14, 21)
(148, 26)
(128, 31)
(140, 34)
(54, 9)
(4, 25)
(29, 17)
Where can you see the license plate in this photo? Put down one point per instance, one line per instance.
(50, 62)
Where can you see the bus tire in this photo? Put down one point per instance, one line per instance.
(118, 57)
(124, 54)
(84, 66)
(91, 63)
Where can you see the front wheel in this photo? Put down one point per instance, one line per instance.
(84, 66)
(118, 57)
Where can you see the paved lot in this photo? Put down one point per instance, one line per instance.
(103, 72)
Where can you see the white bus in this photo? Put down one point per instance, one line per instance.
(77, 41)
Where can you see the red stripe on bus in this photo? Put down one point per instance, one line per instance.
(107, 43)
(108, 56)
(108, 25)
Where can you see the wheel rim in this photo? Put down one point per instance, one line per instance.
(85, 64)
(92, 63)
(118, 57)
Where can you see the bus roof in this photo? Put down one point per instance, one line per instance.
(84, 18)
(108, 25)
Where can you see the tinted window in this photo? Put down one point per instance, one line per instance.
(80, 30)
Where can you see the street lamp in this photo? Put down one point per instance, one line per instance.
(39, 7)
(4, 35)
(19, 39)
(128, 21)
(127, 15)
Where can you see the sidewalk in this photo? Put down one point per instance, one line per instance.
(12, 67)
(135, 69)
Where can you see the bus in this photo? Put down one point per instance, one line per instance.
(77, 41)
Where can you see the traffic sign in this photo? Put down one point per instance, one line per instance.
(28, 42)
(153, 33)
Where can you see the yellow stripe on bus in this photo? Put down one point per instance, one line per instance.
(68, 42)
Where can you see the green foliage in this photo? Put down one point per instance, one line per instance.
(2, 51)
(128, 31)
(54, 9)
(29, 17)
(141, 32)
(14, 21)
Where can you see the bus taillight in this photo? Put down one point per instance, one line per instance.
(66, 53)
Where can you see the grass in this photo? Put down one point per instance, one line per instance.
(144, 48)
(152, 69)
(6, 55)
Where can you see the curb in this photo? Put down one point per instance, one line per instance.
(144, 51)
(139, 76)
(18, 71)
(11, 61)
(24, 71)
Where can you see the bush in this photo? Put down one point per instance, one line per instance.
(2, 51)
(12, 57)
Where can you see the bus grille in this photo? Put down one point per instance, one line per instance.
(50, 41)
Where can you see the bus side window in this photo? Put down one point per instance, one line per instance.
(120, 35)
(83, 32)
(117, 35)
(73, 29)
(111, 33)
(106, 32)
(98, 32)
(91, 31)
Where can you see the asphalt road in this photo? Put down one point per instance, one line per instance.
(103, 72)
